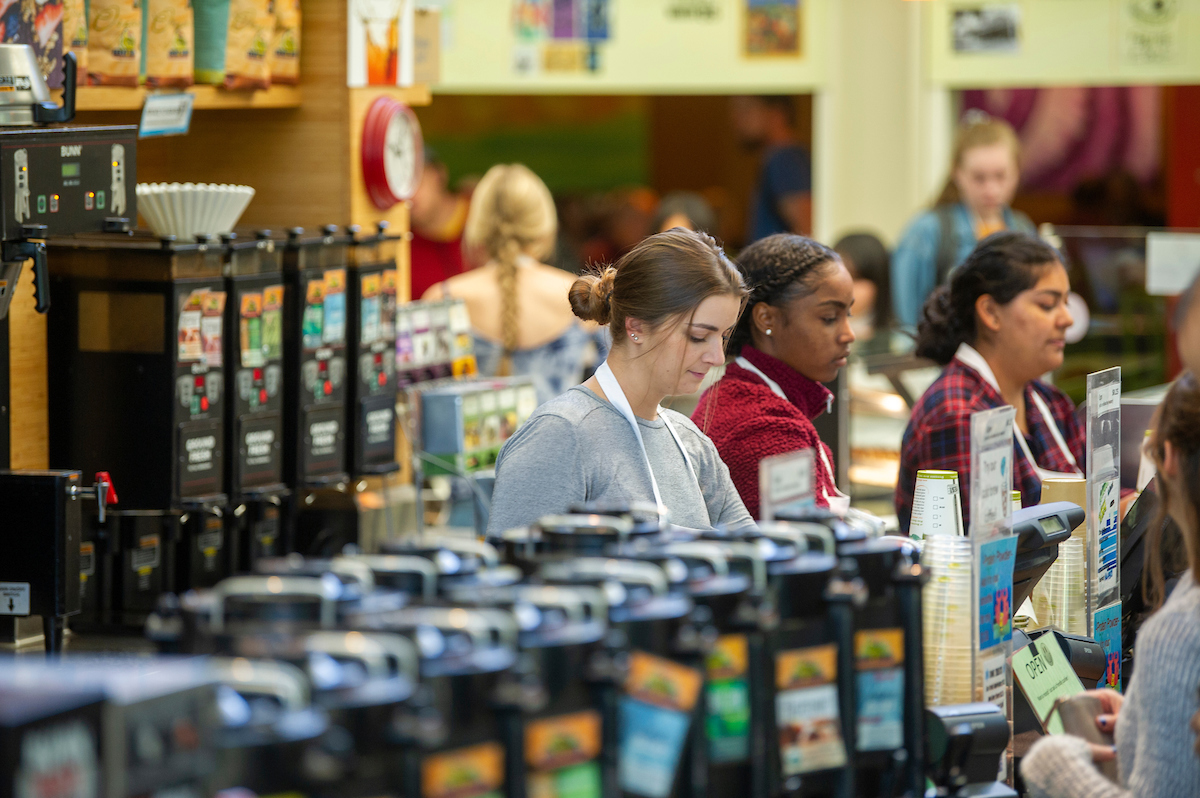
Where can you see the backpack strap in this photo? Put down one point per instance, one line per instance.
(947, 250)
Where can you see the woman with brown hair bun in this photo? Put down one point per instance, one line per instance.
(531, 330)
(671, 304)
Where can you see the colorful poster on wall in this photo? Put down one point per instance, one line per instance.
(773, 28)
(559, 36)
(379, 43)
(1108, 635)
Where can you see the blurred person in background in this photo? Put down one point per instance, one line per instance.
(984, 173)
(685, 209)
(870, 264)
(620, 221)
(782, 199)
(521, 320)
(437, 217)
(794, 335)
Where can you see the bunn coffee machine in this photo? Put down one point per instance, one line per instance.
(139, 386)
(254, 410)
(53, 182)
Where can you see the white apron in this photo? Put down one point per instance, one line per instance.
(612, 390)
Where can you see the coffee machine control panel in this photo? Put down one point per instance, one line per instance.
(74, 180)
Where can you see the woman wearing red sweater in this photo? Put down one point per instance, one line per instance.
(794, 335)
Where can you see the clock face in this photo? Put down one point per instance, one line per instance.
(399, 156)
(392, 152)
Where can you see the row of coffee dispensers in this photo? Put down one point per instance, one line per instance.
(598, 654)
(227, 385)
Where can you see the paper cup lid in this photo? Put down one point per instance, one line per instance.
(927, 473)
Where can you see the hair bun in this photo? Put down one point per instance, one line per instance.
(591, 296)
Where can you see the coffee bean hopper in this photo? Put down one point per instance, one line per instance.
(667, 636)
(454, 741)
(139, 384)
(554, 737)
(254, 413)
(315, 386)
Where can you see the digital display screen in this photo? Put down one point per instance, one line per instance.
(70, 170)
(1052, 524)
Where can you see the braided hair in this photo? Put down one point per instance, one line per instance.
(512, 213)
(780, 268)
(1001, 266)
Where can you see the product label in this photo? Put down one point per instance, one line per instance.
(1108, 521)
(272, 321)
(312, 326)
(87, 559)
(370, 308)
(561, 753)
(728, 700)
(335, 307)
(250, 331)
(995, 685)
(995, 591)
(879, 661)
(1108, 635)
(655, 713)
(58, 761)
(145, 557)
(14, 598)
(806, 710)
(472, 772)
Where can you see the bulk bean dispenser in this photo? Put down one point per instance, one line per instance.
(254, 411)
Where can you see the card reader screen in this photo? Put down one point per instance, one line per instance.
(1052, 524)
(70, 170)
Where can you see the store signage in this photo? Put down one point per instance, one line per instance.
(166, 114)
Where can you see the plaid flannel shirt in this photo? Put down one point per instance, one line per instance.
(939, 436)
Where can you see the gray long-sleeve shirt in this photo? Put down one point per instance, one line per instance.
(1154, 741)
(578, 447)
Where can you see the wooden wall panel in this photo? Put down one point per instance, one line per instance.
(30, 446)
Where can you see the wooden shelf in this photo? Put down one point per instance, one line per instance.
(122, 98)
(125, 98)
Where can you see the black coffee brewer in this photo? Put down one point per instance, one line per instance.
(254, 413)
(53, 182)
(139, 387)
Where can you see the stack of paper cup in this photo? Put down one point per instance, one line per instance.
(947, 615)
(1060, 597)
(937, 505)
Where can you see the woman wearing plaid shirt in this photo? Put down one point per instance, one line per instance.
(997, 327)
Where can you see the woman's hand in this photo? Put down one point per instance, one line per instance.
(1106, 721)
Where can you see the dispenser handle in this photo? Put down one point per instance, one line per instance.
(801, 531)
(270, 586)
(358, 571)
(478, 623)
(46, 113)
(630, 571)
(758, 563)
(709, 552)
(562, 598)
(281, 680)
(21, 250)
(403, 564)
(373, 649)
(485, 551)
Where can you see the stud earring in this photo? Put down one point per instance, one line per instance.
(768, 331)
(633, 336)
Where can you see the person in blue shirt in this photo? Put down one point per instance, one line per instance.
(974, 203)
(782, 199)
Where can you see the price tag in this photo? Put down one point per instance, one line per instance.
(166, 115)
(785, 480)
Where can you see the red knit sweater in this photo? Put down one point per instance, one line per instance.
(748, 422)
